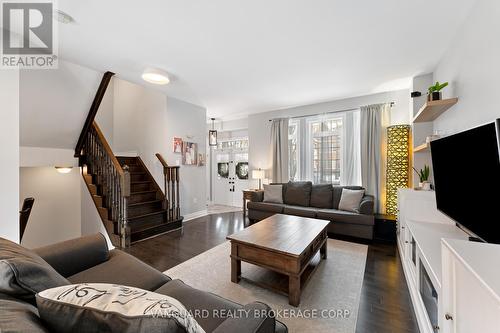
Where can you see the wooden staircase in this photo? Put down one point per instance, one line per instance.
(130, 203)
(147, 213)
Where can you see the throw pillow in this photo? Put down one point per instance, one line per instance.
(322, 196)
(23, 273)
(298, 193)
(350, 200)
(101, 307)
(273, 193)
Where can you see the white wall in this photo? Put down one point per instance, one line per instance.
(56, 214)
(39, 162)
(54, 104)
(9, 157)
(472, 66)
(146, 121)
(259, 127)
(40, 156)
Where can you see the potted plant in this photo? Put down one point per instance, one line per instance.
(435, 91)
(423, 174)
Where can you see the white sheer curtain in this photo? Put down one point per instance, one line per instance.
(279, 150)
(374, 121)
(351, 150)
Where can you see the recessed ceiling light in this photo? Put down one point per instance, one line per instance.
(62, 17)
(155, 76)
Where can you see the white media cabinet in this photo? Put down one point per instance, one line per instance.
(454, 284)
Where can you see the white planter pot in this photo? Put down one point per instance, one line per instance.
(426, 186)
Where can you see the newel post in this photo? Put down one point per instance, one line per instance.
(124, 226)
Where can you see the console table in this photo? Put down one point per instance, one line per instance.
(248, 195)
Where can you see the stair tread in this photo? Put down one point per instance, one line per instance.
(144, 202)
(153, 226)
(143, 192)
(162, 211)
(141, 182)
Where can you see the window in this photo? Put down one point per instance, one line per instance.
(325, 140)
(318, 151)
(293, 149)
(239, 143)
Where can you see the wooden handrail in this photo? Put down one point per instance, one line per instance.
(107, 148)
(93, 111)
(162, 160)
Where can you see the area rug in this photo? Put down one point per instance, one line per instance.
(329, 301)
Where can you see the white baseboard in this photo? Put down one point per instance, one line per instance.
(195, 215)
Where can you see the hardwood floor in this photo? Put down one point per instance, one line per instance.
(385, 305)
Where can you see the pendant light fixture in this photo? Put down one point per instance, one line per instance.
(212, 135)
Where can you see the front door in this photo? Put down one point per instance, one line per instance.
(230, 176)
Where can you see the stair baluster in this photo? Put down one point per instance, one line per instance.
(172, 189)
(112, 179)
(178, 208)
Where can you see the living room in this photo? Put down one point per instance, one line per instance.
(249, 166)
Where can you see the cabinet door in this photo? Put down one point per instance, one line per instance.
(467, 306)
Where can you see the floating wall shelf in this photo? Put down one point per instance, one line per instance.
(433, 109)
(422, 148)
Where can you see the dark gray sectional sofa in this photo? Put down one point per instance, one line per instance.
(88, 259)
(318, 201)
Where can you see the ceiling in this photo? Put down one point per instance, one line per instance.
(238, 57)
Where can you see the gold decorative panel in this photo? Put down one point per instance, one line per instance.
(398, 164)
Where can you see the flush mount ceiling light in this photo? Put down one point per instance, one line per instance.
(64, 169)
(63, 17)
(155, 76)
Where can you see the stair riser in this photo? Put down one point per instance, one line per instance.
(103, 212)
(144, 209)
(146, 221)
(127, 161)
(140, 187)
(137, 177)
(135, 168)
(135, 198)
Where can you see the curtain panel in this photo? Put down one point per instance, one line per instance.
(374, 122)
(279, 150)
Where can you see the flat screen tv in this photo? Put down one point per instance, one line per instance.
(466, 169)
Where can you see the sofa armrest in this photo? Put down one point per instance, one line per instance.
(366, 205)
(255, 317)
(75, 255)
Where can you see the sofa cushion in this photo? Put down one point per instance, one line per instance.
(265, 207)
(340, 216)
(322, 196)
(298, 193)
(124, 269)
(102, 307)
(350, 200)
(273, 193)
(19, 316)
(300, 211)
(201, 302)
(337, 193)
(23, 273)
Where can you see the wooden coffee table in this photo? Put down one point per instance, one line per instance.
(282, 243)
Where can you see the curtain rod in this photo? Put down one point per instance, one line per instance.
(319, 114)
